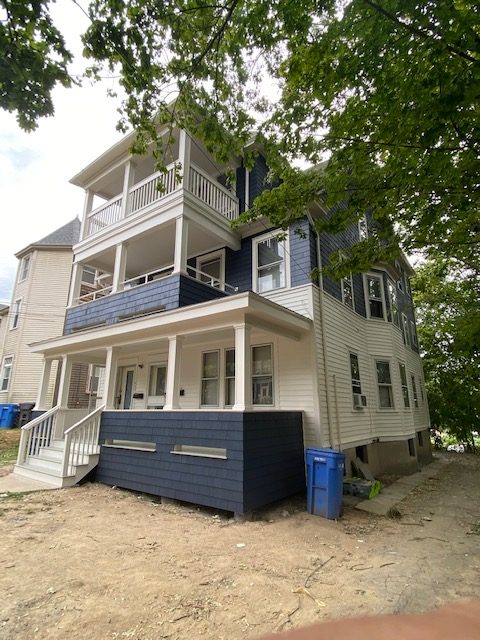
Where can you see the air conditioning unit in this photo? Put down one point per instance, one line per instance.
(359, 400)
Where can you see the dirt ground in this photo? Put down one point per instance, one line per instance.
(95, 562)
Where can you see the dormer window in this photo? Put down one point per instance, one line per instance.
(269, 262)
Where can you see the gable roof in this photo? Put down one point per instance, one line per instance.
(65, 236)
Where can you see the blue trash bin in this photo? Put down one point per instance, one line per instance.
(325, 469)
(8, 415)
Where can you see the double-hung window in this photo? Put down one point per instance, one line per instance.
(270, 264)
(394, 313)
(211, 269)
(413, 334)
(405, 330)
(376, 305)
(414, 390)
(15, 314)
(229, 377)
(347, 291)
(262, 374)
(24, 268)
(355, 373)
(403, 379)
(384, 381)
(6, 373)
(210, 378)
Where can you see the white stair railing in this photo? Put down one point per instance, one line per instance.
(81, 440)
(37, 433)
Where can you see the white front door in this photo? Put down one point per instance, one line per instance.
(156, 386)
(125, 390)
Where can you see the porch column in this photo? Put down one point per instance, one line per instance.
(110, 379)
(120, 267)
(181, 244)
(128, 178)
(41, 403)
(172, 391)
(75, 283)
(64, 384)
(243, 377)
(184, 149)
(87, 208)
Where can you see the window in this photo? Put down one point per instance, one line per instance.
(229, 377)
(363, 228)
(88, 275)
(411, 447)
(93, 378)
(408, 287)
(210, 369)
(375, 296)
(420, 439)
(394, 313)
(24, 268)
(269, 255)
(15, 314)
(157, 380)
(405, 330)
(211, 269)
(347, 291)
(262, 374)
(355, 373)
(403, 378)
(6, 373)
(413, 334)
(415, 394)
(422, 392)
(384, 381)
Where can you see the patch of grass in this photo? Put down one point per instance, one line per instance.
(14, 495)
(8, 456)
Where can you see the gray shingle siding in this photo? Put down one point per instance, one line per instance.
(264, 456)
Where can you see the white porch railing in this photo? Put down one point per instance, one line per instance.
(152, 189)
(211, 281)
(104, 216)
(154, 274)
(81, 440)
(37, 433)
(93, 295)
(212, 193)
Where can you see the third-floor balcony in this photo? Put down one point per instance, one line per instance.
(155, 188)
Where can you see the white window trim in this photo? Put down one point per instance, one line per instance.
(379, 276)
(9, 357)
(350, 278)
(394, 286)
(413, 333)
(21, 277)
(225, 377)
(255, 243)
(13, 313)
(416, 403)
(211, 256)
(384, 359)
(406, 331)
(273, 374)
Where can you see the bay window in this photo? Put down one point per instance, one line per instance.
(384, 381)
(375, 295)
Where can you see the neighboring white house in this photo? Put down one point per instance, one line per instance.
(4, 308)
(215, 356)
(37, 312)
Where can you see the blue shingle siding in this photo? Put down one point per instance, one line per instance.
(258, 178)
(170, 293)
(264, 461)
(240, 187)
(238, 266)
(302, 253)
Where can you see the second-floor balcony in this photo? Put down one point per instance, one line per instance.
(157, 187)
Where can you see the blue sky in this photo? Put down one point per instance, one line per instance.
(35, 196)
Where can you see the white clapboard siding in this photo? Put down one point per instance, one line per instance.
(44, 296)
(370, 340)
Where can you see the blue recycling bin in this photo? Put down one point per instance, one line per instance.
(8, 415)
(325, 469)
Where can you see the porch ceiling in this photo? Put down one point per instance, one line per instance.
(214, 315)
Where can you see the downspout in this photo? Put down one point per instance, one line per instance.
(322, 324)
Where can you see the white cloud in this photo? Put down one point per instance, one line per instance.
(35, 196)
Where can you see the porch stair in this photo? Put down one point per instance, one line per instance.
(59, 462)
